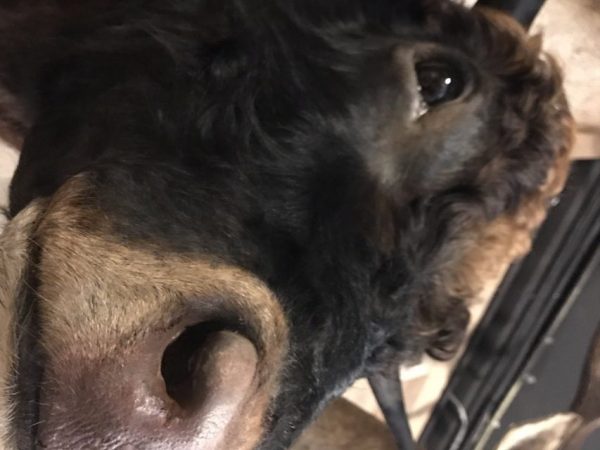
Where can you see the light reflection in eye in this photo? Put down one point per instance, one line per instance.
(439, 81)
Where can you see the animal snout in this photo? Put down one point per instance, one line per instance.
(175, 388)
(147, 349)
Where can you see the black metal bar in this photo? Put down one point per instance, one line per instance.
(524, 11)
(388, 392)
(521, 312)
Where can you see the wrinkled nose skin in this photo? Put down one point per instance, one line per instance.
(180, 389)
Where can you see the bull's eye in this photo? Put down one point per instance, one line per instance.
(439, 82)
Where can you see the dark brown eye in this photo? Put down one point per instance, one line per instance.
(439, 82)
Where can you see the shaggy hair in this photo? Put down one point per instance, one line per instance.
(272, 136)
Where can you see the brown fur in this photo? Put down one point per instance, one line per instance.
(484, 253)
(508, 237)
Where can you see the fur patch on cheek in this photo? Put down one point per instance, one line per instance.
(15, 243)
(508, 237)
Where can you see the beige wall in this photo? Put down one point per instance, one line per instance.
(571, 30)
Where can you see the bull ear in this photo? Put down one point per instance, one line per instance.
(16, 247)
(523, 11)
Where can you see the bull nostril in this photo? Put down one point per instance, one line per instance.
(179, 363)
(201, 352)
(207, 376)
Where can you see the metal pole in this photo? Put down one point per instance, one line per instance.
(388, 391)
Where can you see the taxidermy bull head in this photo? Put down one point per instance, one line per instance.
(225, 212)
